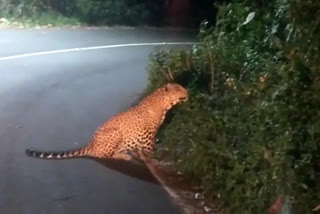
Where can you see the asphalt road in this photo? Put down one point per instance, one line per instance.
(56, 102)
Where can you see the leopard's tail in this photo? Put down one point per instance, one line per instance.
(81, 152)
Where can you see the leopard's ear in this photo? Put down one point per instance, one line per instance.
(168, 87)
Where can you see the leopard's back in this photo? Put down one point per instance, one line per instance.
(136, 126)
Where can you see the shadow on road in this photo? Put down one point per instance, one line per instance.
(132, 169)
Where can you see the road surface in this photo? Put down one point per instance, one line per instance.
(56, 102)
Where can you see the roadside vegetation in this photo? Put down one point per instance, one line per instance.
(250, 131)
(84, 12)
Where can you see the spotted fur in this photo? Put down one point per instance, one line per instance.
(132, 130)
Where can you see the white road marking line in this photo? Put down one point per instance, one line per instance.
(94, 48)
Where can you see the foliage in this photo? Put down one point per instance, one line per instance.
(97, 12)
(111, 12)
(250, 129)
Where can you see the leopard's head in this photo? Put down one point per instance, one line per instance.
(173, 94)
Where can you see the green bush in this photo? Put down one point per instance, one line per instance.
(31, 8)
(250, 129)
(97, 12)
(113, 12)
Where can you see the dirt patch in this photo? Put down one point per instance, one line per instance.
(191, 198)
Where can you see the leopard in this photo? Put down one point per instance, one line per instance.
(129, 132)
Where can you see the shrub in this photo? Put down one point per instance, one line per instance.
(97, 12)
(113, 12)
(250, 130)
